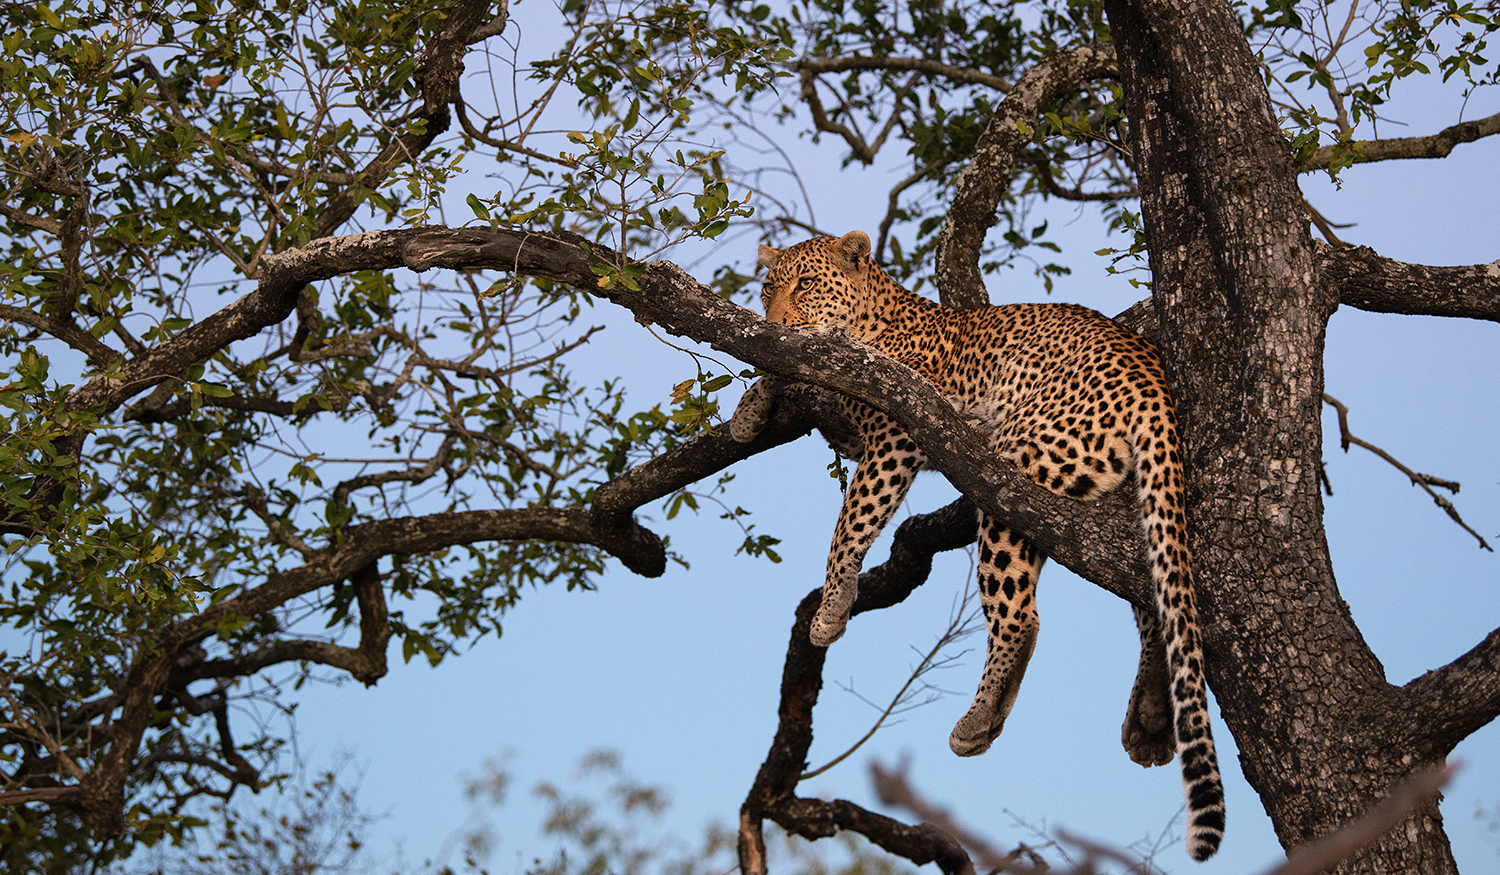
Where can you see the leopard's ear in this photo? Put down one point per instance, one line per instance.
(766, 256)
(854, 247)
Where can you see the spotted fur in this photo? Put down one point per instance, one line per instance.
(1079, 404)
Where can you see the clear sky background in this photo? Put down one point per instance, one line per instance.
(680, 674)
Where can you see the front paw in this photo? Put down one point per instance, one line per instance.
(976, 731)
(754, 410)
(827, 628)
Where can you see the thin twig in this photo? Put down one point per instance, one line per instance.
(36, 733)
(960, 624)
(1426, 481)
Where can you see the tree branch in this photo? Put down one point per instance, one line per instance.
(100, 354)
(773, 793)
(1426, 481)
(1362, 278)
(1436, 145)
(1098, 541)
(1448, 704)
(987, 176)
(437, 71)
(414, 474)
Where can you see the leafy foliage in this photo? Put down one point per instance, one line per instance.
(156, 157)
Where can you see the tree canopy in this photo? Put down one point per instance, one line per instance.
(296, 293)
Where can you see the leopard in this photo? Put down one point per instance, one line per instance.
(1081, 406)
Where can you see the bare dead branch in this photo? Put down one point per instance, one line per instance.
(960, 624)
(893, 788)
(1426, 481)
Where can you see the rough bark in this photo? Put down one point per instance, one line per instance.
(1242, 317)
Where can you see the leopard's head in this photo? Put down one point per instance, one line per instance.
(819, 283)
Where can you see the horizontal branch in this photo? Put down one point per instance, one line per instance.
(1098, 541)
(1448, 704)
(1436, 145)
(1361, 278)
(70, 333)
(49, 795)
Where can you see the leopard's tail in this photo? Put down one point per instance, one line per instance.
(1162, 493)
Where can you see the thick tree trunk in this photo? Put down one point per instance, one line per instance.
(1243, 316)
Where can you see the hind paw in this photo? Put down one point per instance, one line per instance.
(1147, 733)
(1148, 748)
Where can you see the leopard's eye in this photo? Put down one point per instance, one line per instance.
(804, 283)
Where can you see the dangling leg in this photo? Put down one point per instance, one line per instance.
(890, 462)
(1147, 733)
(1008, 567)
